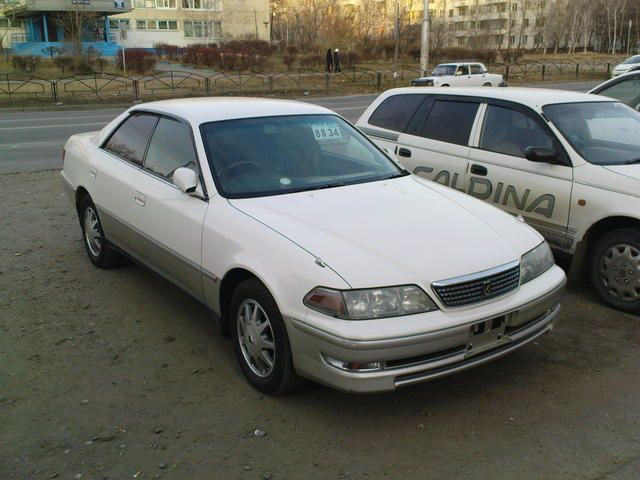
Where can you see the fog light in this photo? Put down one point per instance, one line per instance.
(356, 367)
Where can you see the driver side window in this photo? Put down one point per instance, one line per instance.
(170, 148)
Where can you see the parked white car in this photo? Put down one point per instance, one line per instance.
(625, 88)
(569, 163)
(630, 64)
(463, 74)
(319, 255)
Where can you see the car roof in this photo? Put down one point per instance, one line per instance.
(531, 97)
(212, 109)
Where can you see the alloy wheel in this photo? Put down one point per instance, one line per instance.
(92, 233)
(255, 336)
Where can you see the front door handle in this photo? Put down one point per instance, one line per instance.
(404, 152)
(479, 170)
(140, 199)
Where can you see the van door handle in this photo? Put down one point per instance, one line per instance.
(140, 199)
(93, 172)
(479, 170)
(404, 152)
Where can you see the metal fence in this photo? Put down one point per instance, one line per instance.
(105, 86)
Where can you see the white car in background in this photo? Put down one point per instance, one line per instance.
(569, 163)
(464, 74)
(630, 64)
(317, 252)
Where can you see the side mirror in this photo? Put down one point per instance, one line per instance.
(185, 179)
(542, 155)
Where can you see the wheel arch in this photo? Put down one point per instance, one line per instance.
(81, 193)
(579, 265)
(230, 281)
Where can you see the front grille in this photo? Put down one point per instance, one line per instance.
(478, 289)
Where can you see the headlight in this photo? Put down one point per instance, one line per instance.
(370, 303)
(535, 262)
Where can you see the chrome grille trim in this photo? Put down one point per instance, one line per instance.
(470, 289)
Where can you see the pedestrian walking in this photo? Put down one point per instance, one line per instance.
(336, 61)
(329, 60)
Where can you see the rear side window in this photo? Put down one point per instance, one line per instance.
(476, 69)
(170, 148)
(450, 122)
(396, 112)
(130, 140)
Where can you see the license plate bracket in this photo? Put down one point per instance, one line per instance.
(486, 334)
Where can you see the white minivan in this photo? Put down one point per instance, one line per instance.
(568, 163)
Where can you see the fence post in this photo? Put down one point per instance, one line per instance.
(378, 80)
(506, 73)
(327, 81)
(136, 89)
(544, 71)
(54, 91)
(270, 81)
(207, 87)
(608, 69)
(577, 70)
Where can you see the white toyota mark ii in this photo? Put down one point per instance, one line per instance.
(318, 254)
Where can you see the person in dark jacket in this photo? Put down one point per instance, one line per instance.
(329, 61)
(336, 61)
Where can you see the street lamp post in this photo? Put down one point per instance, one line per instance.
(424, 43)
(629, 37)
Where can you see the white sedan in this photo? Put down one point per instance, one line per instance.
(460, 75)
(629, 65)
(318, 254)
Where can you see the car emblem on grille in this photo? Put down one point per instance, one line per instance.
(487, 288)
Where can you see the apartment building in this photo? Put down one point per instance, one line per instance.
(494, 24)
(184, 22)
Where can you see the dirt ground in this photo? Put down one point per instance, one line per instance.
(117, 374)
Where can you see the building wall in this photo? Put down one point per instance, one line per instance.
(224, 20)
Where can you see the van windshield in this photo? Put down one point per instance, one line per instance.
(603, 133)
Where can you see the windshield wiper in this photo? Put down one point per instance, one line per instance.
(328, 185)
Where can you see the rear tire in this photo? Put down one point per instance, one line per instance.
(260, 339)
(615, 269)
(98, 248)
(487, 84)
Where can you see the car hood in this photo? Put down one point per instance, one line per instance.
(631, 171)
(394, 232)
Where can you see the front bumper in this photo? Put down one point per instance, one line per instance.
(425, 356)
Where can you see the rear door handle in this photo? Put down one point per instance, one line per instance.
(140, 199)
(93, 172)
(479, 170)
(404, 152)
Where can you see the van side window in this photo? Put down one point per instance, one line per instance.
(476, 69)
(511, 132)
(451, 121)
(130, 140)
(395, 112)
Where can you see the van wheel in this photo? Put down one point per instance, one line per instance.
(487, 84)
(260, 339)
(97, 246)
(615, 269)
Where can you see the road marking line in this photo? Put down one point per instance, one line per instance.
(54, 126)
(57, 118)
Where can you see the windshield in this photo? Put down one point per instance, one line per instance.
(634, 59)
(256, 157)
(442, 70)
(603, 133)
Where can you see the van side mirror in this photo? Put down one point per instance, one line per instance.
(542, 155)
(185, 179)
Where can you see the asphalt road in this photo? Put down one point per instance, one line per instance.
(32, 140)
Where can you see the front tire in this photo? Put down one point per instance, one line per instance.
(615, 269)
(487, 84)
(97, 246)
(260, 339)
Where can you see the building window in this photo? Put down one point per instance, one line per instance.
(461, 42)
(157, 24)
(144, 3)
(141, 24)
(118, 24)
(193, 4)
(165, 3)
(451, 13)
(202, 29)
(167, 24)
(217, 5)
(526, 22)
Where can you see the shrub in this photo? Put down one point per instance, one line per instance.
(52, 51)
(312, 61)
(63, 62)
(353, 58)
(25, 63)
(170, 52)
(292, 50)
(512, 55)
(138, 60)
(288, 60)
